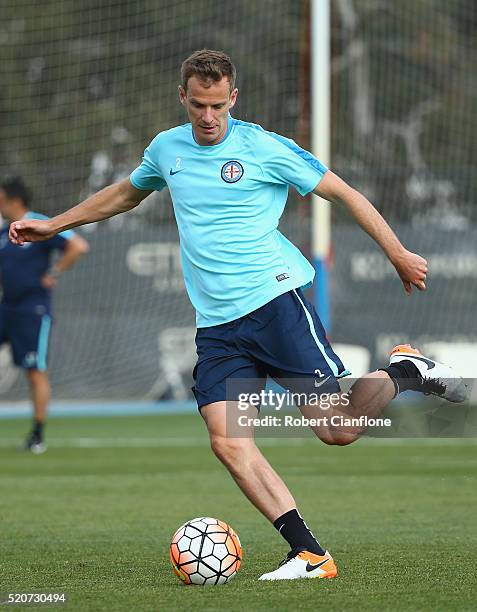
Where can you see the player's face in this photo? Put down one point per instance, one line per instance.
(5, 206)
(208, 105)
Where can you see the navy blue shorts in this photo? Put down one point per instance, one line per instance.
(28, 334)
(283, 340)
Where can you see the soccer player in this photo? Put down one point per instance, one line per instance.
(27, 277)
(229, 182)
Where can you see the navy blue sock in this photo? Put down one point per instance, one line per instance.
(295, 531)
(37, 428)
(404, 375)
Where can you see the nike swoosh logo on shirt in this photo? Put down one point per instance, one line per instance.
(172, 172)
(310, 567)
(322, 382)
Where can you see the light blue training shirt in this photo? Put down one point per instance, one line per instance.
(228, 199)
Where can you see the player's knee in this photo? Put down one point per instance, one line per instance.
(227, 450)
(337, 438)
(38, 379)
(37, 375)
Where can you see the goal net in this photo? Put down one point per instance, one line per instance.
(403, 132)
(86, 86)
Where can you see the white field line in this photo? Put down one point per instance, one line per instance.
(184, 442)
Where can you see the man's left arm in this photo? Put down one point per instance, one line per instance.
(412, 268)
(75, 247)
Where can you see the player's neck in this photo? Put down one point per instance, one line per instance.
(17, 214)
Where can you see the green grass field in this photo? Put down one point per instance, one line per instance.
(93, 518)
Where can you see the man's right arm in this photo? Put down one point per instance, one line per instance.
(110, 201)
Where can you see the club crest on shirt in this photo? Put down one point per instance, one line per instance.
(232, 171)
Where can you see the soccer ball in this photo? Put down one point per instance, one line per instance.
(205, 551)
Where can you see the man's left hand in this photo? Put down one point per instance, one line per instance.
(48, 281)
(412, 270)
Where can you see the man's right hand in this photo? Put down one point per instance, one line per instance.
(30, 230)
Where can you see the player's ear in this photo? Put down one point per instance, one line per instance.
(233, 97)
(182, 94)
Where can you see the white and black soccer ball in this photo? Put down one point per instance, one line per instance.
(205, 551)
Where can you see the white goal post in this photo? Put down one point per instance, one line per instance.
(320, 146)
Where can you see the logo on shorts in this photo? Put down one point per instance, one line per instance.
(281, 277)
(322, 382)
(232, 171)
(29, 360)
